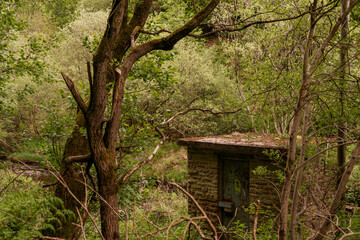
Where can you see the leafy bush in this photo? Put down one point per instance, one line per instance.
(27, 210)
(157, 207)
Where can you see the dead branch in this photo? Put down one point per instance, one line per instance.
(81, 224)
(255, 220)
(75, 93)
(161, 229)
(194, 4)
(13, 180)
(7, 146)
(52, 238)
(336, 204)
(148, 159)
(132, 36)
(199, 109)
(228, 225)
(199, 207)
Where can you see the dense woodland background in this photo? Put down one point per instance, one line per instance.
(289, 68)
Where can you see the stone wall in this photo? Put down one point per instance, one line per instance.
(203, 172)
(204, 175)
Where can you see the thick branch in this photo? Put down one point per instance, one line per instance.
(79, 100)
(168, 42)
(165, 43)
(79, 158)
(90, 79)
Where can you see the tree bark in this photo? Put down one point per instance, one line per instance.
(341, 156)
(295, 126)
(299, 177)
(77, 144)
(112, 62)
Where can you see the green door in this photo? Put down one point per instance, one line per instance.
(235, 189)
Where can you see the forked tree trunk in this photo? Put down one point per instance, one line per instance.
(112, 62)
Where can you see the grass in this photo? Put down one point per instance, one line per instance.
(27, 156)
(170, 164)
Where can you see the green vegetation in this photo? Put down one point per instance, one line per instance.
(250, 66)
(27, 210)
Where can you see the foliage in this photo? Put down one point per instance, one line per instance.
(156, 206)
(27, 156)
(353, 186)
(56, 12)
(27, 210)
(10, 25)
(169, 165)
(55, 128)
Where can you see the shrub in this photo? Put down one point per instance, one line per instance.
(26, 209)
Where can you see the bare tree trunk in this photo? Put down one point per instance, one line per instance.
(299, 177)
(295, 126)
(343, 72)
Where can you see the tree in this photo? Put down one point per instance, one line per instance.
(112, 62)
(310, 65)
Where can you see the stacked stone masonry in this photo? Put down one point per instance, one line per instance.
(204, 181)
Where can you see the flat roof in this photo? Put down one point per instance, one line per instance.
(238, 142)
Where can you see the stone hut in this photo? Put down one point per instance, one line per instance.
(221, 176)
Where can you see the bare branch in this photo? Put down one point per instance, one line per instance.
(202, 110)
(81, 224)
(79, 158)
(79, 100)
(336, 204)
(151, 157)
(61, 180)
(155, 33)
(255, 220)
(199, 207)
(132, 36)
(194, 4)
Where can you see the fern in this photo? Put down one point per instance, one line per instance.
(26, 209)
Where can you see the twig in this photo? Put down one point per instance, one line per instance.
(13, 180)
(81, 223)
(61, 180)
